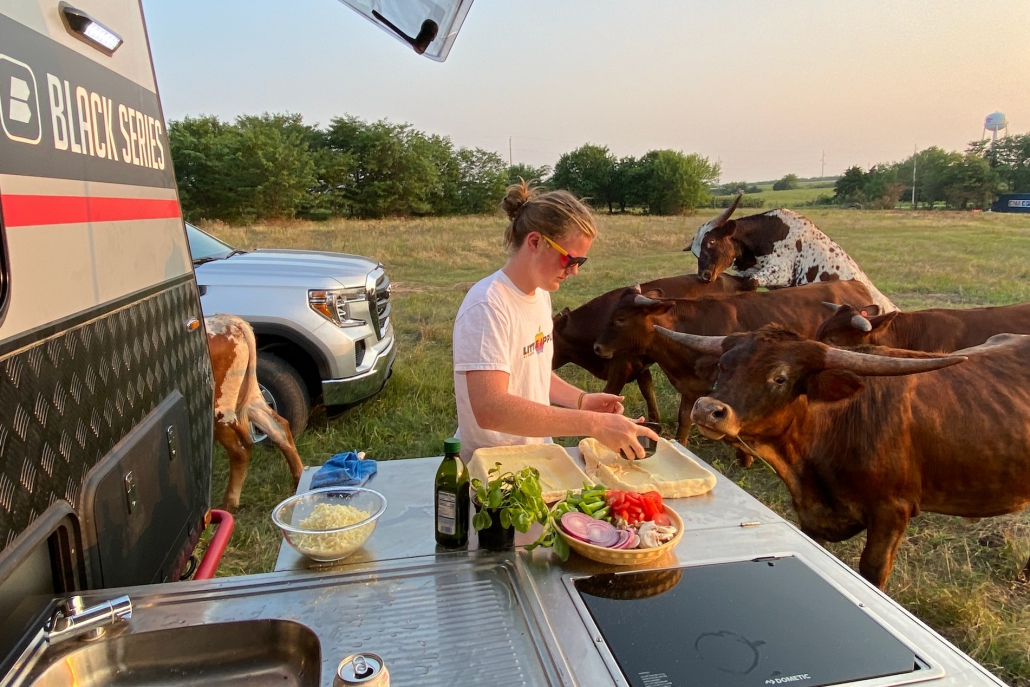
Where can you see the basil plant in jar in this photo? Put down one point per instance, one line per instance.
(507, 502)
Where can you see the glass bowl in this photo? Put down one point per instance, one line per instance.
(309, 521)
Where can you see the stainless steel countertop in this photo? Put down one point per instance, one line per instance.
(480, 618)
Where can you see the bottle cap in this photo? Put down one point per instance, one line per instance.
(452, 446)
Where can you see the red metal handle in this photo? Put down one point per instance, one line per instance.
(213, 556)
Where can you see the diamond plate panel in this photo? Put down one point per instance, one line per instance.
(67, 400)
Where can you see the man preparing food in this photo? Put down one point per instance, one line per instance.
(505, 390)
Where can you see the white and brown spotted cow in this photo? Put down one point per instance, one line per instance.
(239, 403)
(775, 249)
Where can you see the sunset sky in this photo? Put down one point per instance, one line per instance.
(762, 86)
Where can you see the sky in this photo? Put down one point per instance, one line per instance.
(764, 87)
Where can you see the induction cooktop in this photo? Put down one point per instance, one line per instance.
(753, 623)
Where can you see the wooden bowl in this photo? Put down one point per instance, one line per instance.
(626, 556)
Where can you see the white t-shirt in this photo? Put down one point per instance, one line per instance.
(499, 327)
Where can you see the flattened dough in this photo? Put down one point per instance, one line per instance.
(671, 471)
(558, 472)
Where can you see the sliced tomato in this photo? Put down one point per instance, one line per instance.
(662, 520)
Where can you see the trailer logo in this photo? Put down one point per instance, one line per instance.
(19, 101)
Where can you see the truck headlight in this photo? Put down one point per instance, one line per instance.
(339, 305)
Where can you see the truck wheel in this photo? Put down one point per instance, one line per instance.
(284, 390)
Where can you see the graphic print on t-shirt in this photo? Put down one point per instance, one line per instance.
(539, 341)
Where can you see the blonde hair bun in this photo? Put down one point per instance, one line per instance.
(518, 195)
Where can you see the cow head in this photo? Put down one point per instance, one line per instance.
(714, 245)
(765, 379)
(849, 326)
(630, 326)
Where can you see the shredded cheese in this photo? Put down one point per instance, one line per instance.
(327, 516)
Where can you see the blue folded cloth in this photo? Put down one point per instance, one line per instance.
(344, 470)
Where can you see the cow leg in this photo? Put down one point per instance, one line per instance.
(278, 431)
(646, 384)
(683, 430)
(239, 458)
(886, 529)
(744, 459)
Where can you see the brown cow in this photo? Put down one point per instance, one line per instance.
(937, 330)
(575, 332)
(239, 403)
(860, 448)
(630, 329)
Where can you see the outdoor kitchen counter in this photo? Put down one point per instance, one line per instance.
(727, 524)
(405, 530)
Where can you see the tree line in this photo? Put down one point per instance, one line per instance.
(960, 181)
(275, 166)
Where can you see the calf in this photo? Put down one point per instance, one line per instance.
(938, 330)
(575, 332)
(775, 249)
(630, 330)
(863, 443)
(239, 403)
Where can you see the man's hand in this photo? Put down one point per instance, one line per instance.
(603, 403)
(618, 432)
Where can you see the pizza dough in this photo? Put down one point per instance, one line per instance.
(671, 471)
(558, 472)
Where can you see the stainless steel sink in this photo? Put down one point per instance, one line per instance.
(253, 653)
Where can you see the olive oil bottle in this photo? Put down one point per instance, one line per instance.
(452, 498)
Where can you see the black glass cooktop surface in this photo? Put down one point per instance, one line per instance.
(741, 624)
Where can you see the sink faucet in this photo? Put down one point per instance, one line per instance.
(73, 619)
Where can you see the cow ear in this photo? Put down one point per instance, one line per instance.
(729, 228)
(706, 368)
(660, 307)
(833, 385)
(869, 311)
(882, 320)
(561, 319)
(655, 293)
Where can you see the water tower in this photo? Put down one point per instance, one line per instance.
(995, 122)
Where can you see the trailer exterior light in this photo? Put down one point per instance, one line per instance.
(89, 29)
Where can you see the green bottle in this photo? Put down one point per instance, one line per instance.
(452, 498)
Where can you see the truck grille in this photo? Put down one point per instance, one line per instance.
(377, 292)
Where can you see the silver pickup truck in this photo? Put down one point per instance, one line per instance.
(322, 320)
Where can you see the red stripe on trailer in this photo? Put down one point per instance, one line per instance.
(29, 211)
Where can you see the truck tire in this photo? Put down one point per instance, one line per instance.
(284, 389)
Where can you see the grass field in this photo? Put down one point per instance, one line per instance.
(957, 576)
(792, 198)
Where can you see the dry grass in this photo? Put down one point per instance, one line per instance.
(957, 576)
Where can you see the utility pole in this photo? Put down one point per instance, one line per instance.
(915, 152)
(822, 170)
(509, 152)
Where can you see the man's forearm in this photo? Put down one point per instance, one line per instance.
(562, 393)
(514, 415)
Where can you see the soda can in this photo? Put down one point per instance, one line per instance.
(367, 670)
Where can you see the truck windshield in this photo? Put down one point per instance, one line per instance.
(204, 247)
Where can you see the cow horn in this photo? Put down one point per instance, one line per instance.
(712, 345)
(881, 365)
(643, 301)
(861, 323)
(724, 217)
(832, 306)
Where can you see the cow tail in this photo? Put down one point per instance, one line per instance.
(250, 385)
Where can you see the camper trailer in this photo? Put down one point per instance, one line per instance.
(105, 382)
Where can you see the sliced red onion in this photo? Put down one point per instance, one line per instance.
(624, 537)
(601, 533)
(576, 525)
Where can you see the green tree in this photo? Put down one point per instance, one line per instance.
(848, 188)
(587, 172)
(205, 153)
(484, 177)
(277, 165)
(787, 183)
(676, 183)
(970, 182)
(529, 173)
(881, 188)
(1010, 158)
